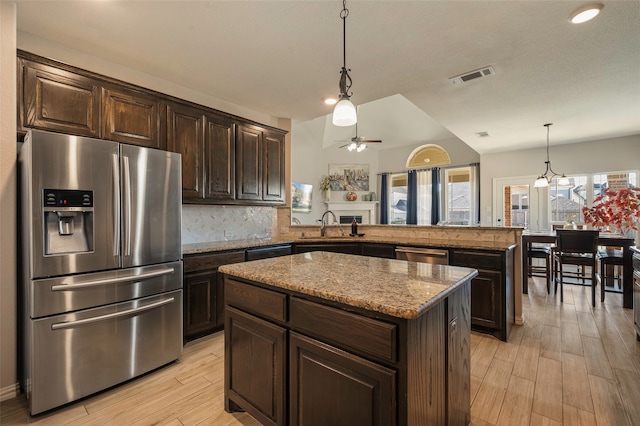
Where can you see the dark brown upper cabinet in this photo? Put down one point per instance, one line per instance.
(185, 135)
(273, 167)
(219, 158)
(132, 117)
(225, 159)
(259, 165)
(249, 163)
(58, 100)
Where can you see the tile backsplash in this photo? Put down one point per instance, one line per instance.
(202, 224)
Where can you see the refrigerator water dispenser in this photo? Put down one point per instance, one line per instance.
(68, 221)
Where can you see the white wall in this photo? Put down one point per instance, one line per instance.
(309, 161)
(607, 155)
(8, 273)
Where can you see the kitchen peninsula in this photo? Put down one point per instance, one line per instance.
(342, 339)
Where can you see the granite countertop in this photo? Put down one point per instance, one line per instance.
(213, 246)
(394, 287)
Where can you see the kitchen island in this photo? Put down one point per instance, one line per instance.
(328, 338)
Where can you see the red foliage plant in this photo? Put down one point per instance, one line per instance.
(620, 209)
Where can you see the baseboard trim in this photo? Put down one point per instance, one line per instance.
(9, 392)
(518, 320)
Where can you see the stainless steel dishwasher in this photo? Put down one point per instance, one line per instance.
(425, 255)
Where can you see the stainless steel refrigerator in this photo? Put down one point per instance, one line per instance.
(102, 268)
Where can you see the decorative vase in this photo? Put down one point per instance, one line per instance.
(327, 195)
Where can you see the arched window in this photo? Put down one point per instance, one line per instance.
(428, 156)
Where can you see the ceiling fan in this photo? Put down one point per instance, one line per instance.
(359, 143)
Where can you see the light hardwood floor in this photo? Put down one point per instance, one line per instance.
(568, 364)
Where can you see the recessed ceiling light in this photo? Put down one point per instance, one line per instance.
(482, 134)
(585, 13)
(330, 101)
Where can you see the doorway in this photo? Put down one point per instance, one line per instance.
(518, 203)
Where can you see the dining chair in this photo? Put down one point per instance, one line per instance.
(539, 252)
(579, 248)
(610, 259)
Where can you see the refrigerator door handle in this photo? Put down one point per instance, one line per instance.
(116, 206)
(93, 283)
(71, 324)
(127, 206)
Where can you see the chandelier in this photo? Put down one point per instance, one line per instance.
(344, 113)
(545, 179)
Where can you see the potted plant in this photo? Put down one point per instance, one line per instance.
(619, 210)
(325, 185)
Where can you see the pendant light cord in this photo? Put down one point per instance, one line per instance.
(343, 15)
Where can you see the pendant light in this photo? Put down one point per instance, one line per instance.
(545, 179)
(344, 113)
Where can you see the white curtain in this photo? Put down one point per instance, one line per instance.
(474, 194)
(424, 197)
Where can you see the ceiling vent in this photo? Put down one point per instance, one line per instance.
(482, 72)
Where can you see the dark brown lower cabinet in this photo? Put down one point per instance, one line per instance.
(345, 365)
(492, 298)
(347, 248)
(255, 370)
(203, 293)
(330, 386)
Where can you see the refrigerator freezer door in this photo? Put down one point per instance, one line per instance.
(80, 353)
(51, 296)
(151, 206)
(69, 165)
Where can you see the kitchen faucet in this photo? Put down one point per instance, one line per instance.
(323, 224)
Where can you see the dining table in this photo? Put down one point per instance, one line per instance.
(607, 239)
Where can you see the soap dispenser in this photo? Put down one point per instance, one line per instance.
(354, 227)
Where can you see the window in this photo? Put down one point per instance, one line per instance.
(519, 207)
(458, 190)
(566, 202)
(461, 195)
(398, 199)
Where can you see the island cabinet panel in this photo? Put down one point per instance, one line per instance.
(255, 367)
(329, 386)
(185, 136)
(492, 304)
(345, 365)
(426, 361)
(132, 117)
(266, 303)
(57, 100)
(203, 288)
(360, 334)
(459, 354)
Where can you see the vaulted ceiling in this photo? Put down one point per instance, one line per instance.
(282, 58)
